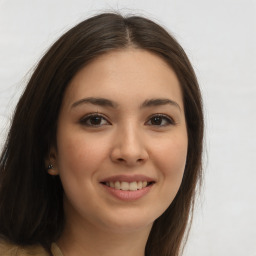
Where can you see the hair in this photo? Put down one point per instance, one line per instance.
(31, 200)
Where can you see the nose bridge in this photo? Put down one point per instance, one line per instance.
(129, 146)
(131, 139)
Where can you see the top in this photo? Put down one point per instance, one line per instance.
(7, 249)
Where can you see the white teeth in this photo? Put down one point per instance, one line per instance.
(127, 186)
(117, 185)
(139, 184)
(133, 186)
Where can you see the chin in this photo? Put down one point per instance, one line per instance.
(128, 222)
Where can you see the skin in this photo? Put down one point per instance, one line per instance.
(127, 140)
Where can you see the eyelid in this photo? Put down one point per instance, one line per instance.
(84, 119)
(171, 121)
(93, 114)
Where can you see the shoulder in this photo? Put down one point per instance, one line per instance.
(8, 249)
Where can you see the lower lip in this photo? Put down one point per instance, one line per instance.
(128, 195)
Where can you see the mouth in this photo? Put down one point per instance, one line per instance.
(128, 186)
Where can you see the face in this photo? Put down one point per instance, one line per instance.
(121, 141)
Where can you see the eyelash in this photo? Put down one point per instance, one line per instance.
(168, 120)
(95, 115)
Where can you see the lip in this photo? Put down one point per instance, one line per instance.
(128, 195)
(127, 178)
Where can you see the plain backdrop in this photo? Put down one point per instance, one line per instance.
(220, 39)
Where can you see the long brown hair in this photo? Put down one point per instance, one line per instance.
(31, 208)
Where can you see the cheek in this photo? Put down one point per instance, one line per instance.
(79, 155)
(79, 158)
(172, 154)
(171, 161)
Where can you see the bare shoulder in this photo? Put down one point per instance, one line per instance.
(8, 249)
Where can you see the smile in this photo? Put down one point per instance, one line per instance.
(128, 186)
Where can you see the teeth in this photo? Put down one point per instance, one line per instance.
(127, 186)
(117, 185)
(133, 186)
(139, 184)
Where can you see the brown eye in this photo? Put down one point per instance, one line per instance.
(156, 120)
(94, 120)
(160, 120)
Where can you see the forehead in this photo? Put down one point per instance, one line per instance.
(128, 74)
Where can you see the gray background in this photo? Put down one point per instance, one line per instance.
(220, 39)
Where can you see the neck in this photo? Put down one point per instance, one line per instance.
(88, 240)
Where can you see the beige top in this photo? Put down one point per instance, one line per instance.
(7, 249)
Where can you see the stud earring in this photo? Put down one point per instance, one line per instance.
(50, 166)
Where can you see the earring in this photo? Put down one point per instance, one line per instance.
(50, 166)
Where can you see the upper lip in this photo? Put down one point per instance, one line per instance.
(128, 178)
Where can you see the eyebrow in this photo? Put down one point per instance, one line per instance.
(108, 103)
(159, 102)
(96, 101)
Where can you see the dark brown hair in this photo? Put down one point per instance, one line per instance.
(31, 208)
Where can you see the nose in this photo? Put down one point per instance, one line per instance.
(129, 147)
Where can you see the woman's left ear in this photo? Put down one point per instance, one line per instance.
(51, 163)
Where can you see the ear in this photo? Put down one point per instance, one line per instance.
(51, 162)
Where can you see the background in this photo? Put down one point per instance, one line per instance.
(220, 39)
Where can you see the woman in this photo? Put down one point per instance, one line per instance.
(104, 153)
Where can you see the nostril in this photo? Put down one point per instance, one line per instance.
(123, 160)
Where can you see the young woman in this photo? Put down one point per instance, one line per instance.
(104, 152)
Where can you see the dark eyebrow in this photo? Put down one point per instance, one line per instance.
(109, 103)
(95, 101)
(159, 102)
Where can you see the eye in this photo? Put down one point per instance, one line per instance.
(94, 120)
(160, 120)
